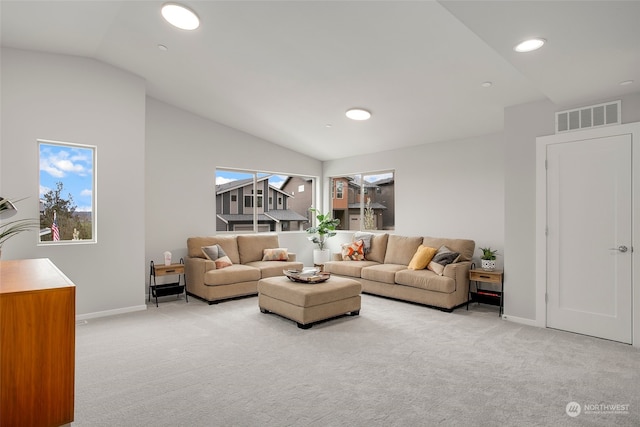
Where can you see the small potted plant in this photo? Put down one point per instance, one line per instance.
(325, 227)
(488, 258)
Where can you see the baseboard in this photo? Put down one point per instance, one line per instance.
(110, 312)
(522, 320)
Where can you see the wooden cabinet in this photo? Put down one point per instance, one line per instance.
(37, 344)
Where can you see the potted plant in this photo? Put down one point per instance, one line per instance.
(325, 227)
(488, 258)
(12, 228)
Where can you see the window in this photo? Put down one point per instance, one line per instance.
(252, 187)
(67, 192)
(370, 201)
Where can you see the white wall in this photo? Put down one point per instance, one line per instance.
(182, 153)
(79, 100)
(447, 189)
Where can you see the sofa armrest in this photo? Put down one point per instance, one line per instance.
(459, 272)
(292, 256)
(195, 269)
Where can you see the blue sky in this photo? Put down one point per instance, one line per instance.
(223, 176)
(71, 165)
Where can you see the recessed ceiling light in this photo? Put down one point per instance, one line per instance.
(486, 84)
(180, 16)
(163, 47)
(529, 45)
(358, 114)
(626, 82)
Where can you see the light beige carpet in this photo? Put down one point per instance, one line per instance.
(397, 364)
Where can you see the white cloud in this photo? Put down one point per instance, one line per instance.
(83, 208)
(86, 193)
(222, 180)
(44, 190)
(60, 164)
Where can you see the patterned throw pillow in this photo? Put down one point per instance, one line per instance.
(366, 239)
(353, 251)
(223, 262)
(422, 257)
(444, 257)
(275, 254)
(217, 255)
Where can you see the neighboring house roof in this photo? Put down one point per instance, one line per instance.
(374, 205)
(286, 215)
(241, 217)
(222, 188)
(384, 181)
(275, 215)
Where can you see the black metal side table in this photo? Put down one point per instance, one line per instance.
(167, 288)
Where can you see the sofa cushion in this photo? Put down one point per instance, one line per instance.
(426, 279)
(347, 268)
(463, 246)
(378, 248)
(251, 246)
(385, 273)
(422, 257)
(366, 240)
(274, 268)
(233, 274)
(400, 249)
(444, 257)
(228, 243)
(353, 251)
(275, 254)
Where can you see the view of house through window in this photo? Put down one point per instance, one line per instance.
(364, 201)
(262, 202)
(67, 191)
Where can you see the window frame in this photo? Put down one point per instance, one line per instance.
(93, 150)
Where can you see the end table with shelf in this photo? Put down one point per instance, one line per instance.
(165, 289)
(479, 275)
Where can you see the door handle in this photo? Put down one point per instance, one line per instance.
(621, 248)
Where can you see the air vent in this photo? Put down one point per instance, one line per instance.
(593, 116)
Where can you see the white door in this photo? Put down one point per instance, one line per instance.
(589, 218)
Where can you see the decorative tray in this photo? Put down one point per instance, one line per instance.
(310, 276)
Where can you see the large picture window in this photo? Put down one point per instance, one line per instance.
(262, 202)
(364, 201)
(67, 192)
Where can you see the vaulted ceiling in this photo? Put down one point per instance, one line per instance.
(286, 71)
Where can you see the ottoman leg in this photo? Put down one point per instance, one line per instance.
(354, 313)
(263, 310)
(302, 326)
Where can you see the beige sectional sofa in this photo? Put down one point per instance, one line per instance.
(385, 272)
(246, 254)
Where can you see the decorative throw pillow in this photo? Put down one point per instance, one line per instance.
(353, 251)
(444, 257)
(422, 257)
(366, 238)
(211, 252)
(223, 262)
(275, 254)
(217, 255)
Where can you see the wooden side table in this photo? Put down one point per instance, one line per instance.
(479, 275)
(168, 288)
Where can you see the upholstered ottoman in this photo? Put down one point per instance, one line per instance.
(308, 303)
